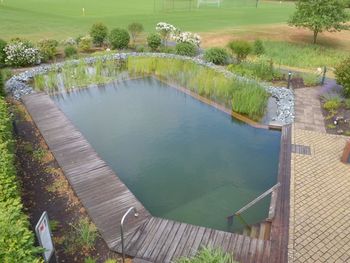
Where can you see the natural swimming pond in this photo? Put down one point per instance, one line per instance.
(183, 159)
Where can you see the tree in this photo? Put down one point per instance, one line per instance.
(320, 15)
(99, 33)
(135, 29)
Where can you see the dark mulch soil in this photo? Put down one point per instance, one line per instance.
(44, 188)
(338, 123)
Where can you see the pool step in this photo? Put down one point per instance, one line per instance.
(258, 231)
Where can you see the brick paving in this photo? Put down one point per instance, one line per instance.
(308, 114)
(319, 228)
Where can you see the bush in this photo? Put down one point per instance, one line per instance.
(216, 55)
(241, 48)
(347, 103)
(208, 255)
(99, 33)
(332, 105)
(154, 41)
(165, 49)
(342, 74)
(85, 44)
(21, 53)
(135, 29)
(2, 90)
(48, 49)
(70, 51)
(140, 48)
(119, 38)
(2, 53)
(186, 49)
(259, 48)
(16, 241)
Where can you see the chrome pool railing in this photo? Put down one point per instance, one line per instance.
(122, 228)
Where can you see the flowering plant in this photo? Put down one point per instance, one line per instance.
(188, 37)
(165, 30)
(70, 42)
(20, 53)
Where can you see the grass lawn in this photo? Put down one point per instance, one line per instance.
(37, 19)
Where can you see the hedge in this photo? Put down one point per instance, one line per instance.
(16, 240)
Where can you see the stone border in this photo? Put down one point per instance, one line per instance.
(18, 85)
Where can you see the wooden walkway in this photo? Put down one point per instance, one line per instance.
(106, 199)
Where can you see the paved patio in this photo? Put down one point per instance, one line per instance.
(319, 229)
(308, 114)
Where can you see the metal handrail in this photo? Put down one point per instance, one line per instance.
(122, 227)
(260, 197)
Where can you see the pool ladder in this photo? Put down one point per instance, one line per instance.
(122, 228)
(272, 191)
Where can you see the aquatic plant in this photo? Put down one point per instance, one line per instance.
(244, 97)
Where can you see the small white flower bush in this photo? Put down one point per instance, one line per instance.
(70, 42)
(165, 30)
(20, 54)
(188, 37)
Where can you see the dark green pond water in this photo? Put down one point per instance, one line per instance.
(183, 159)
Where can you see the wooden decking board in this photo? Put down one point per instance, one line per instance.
(107, 198)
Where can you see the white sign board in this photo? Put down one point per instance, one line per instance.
(43, 233)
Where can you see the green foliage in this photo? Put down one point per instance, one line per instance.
(302, 55)
(332, 105)
(16, 241)
(119, 38)
(208, 255)
(320, 15)
(261, 70)
(186, 49)
(110, 261)
(2, 85)
(342, 74)
(99, 33)
(39, 154)
(258, 47)
(310, 79)
(205, 82)
(241, 48)
(70, 51)
(83, 235)
(48, 49)
(2, 53)
(347, 103)
(154, 41)
(85, 44)
(216, 55)
(89, 260)
(135, 29)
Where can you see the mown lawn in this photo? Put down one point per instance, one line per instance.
(37, 19)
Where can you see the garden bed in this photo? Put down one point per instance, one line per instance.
(337, 121)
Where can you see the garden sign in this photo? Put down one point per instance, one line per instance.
(43, 233)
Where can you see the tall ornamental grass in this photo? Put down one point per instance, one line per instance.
(244, 97)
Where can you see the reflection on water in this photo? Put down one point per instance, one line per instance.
(183, 159)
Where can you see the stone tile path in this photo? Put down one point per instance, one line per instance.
(319, 229)
(308, 114)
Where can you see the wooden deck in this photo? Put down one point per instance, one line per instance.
(148, 238)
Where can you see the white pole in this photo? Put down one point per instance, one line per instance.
(83, 11)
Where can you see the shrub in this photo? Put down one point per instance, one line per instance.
(70, 51)
(135, 29)
(2, 90)
(85, 43)
(2, 53)
(241, 48)
(154, 41)
(140, 48)
(19, 53)
(332, 105)
(342, 74)
(99, 33)
(16, 241)
(70, 42)
(188, 37)
(48, 49)
(119, 38)
(165, 30)
(216, 55)
(208, 255)
(259, 48)
(186, 49)
(165, 49)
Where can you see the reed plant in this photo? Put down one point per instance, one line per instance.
(244, 97)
